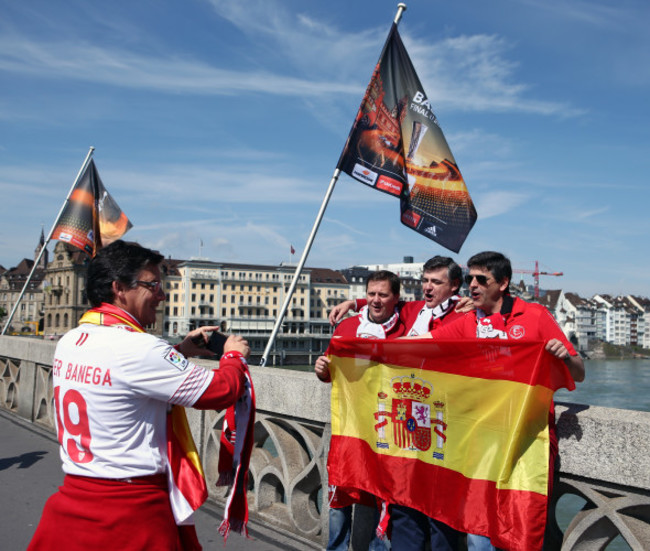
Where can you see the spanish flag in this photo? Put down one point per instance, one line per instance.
(458, 430)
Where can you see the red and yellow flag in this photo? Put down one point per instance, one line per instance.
(458, 430)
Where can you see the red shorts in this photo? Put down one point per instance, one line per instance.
(97, 513)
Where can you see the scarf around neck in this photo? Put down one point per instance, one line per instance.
(423, 321)
(369, 329)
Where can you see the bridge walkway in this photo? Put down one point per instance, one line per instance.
(30, 471)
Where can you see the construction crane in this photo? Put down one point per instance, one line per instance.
(536, 273)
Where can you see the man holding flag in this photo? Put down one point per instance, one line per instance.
(500, 316)
(379, 319)
(133, 476)
(441, 281)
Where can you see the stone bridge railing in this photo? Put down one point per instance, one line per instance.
(602, 491)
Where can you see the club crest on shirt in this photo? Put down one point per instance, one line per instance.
(176, 359)
(516, 332)
(415, 421)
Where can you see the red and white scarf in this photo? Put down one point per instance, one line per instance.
(369, 329)
(422, 323)
(237, 439)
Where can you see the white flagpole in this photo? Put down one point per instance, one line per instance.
(49, 237)
(401, 7)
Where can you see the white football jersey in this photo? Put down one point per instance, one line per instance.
(112, 390)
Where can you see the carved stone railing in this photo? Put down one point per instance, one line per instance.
(604, 466)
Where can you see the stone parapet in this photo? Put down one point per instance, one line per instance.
(604, 464)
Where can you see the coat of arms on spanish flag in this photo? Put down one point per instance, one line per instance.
(458, 430)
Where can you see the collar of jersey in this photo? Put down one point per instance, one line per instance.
(108, 314)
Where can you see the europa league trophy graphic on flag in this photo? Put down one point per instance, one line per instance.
(397, 146)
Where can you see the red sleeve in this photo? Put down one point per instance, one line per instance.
(227, 383)
(549, 329)
(463, 327)
(409, 311)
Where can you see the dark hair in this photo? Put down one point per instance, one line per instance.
(496, 263)
(454, 272)
(119, 261)
(385, 275)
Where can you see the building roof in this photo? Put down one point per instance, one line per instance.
(325, 275)
(550, 299)
(169, 266)
(17, 275)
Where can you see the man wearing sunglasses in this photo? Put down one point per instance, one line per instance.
(114, 385)
(500, 316)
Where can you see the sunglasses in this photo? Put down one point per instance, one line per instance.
(480, 279)
(153, 286)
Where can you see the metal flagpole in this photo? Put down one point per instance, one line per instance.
(299, 267)
(49, 237)
(401, 7)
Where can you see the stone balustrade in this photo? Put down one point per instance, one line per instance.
(603, 483)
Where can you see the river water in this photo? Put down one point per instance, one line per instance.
(623, 384)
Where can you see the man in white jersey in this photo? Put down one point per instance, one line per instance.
(114, 385)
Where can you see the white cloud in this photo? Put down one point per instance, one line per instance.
(472, 73)
(165, 73)
(496, 203)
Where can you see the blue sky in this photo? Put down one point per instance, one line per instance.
(222, 122)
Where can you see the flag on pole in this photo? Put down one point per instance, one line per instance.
(91, 218)
(396, 146)
(457, 430)
(293, 251)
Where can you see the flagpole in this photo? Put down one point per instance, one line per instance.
(301, 263)
(49, 237)
(401, 7)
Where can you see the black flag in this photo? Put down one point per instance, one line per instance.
(397, 147)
